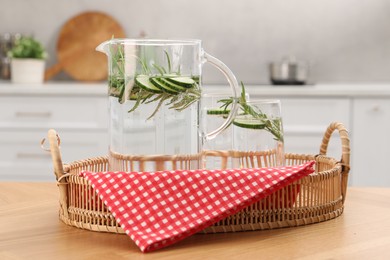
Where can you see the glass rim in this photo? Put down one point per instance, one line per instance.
(216, 94)
(155, 42)
(263, 101)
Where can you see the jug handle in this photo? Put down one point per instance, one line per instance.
(234, 87)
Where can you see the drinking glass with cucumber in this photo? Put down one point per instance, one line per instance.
(251, 116)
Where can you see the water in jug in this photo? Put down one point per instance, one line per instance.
(154, 89)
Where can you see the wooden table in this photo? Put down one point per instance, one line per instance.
(30, 229)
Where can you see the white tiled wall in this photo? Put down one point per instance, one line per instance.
(344, 40)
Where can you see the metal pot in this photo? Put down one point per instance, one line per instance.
(288, 72)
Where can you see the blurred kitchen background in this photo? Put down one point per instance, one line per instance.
(345, 43)
(342, 40)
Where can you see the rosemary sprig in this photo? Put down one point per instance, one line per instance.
(118, 80)
(168, 61)
(274, 126)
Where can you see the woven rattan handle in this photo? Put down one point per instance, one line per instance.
(54, 141)
(55, 153)
(346, 151)
(345, 157)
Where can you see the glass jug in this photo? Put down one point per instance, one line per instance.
(154, 109)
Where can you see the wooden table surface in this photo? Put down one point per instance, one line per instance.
(30, 229)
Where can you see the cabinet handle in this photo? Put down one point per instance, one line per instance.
(33, 114)
(25, 155)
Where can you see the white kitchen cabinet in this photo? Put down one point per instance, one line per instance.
(23, 159)
(79, 113)
(52, 111)
(306, 119)
(371, 142)
(79, 118)
(305, 122)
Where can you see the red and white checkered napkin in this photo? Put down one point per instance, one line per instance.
(157, 209)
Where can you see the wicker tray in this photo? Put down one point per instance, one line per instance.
(315, 198)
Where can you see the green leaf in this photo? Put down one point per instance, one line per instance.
(137, 102)
(27, 47)
(160, 69)
(169, 61)
(158, 106)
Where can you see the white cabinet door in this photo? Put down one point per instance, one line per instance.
(22, 158)
(371, 142)
(45, 112)
(24, 121)
(305, 122)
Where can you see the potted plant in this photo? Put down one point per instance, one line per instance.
(27, 61)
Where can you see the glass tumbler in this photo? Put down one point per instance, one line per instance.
(258, 137)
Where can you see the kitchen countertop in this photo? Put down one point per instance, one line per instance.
(30, 229)
(100, 89)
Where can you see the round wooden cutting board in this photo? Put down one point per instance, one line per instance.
(76, 46)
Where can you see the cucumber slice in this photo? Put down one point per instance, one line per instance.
(218, 111)
(163, 87)
(250, 123)
(186, 82)
(171, 85)
(144, 82)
